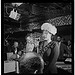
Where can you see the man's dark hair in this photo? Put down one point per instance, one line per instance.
(59, 36)
(30, 66)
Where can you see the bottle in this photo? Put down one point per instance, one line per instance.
(17, 67)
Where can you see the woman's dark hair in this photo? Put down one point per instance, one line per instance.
(30, 66)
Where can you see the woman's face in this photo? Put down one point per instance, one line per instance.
(29, 40)
(15, 44)
(30, 44)
(46, 35)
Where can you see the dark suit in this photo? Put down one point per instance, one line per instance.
(13, 50)
(63, 49)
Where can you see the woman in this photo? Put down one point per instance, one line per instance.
(30, 43)
(48, 48)
(31, 63)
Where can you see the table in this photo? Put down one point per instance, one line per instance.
(62, 65)
(11, 66)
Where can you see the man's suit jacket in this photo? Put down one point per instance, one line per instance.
(63, 49)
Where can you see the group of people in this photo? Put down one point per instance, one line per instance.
(40, 57)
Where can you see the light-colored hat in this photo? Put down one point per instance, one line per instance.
(49, 27)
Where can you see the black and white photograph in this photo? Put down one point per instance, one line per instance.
(38, 38)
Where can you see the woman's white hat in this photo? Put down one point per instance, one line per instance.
(49, 27)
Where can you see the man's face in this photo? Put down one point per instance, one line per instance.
(46, 35)
(58, 39)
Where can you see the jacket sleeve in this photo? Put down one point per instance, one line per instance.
(65, 48)
(56, 54)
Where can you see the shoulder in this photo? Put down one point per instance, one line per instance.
(63, 44)
(56, 47)
(55, 43)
